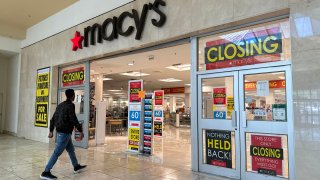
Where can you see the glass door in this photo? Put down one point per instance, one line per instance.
(265, 107)
(218, 120)
(245, 124)
(76, 77)
(81, 113)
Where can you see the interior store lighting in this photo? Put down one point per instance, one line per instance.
(179, 67)
(131, 63)
(135, 74)
(170, 80)
(107, 79)
(114, 90)
(281, 77)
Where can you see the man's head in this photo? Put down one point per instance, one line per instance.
(70, 94)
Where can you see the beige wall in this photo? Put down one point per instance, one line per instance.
(3, 90)
(306, 86)
(183, 18)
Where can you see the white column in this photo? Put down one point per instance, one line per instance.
(98, 88)
(187, 100)
(172, 104)
(101, 122)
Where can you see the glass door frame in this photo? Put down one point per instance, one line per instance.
(86, 107)
(224, 125)
(283, 128)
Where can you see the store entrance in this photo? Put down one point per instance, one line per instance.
(244, 122)
(165, 69)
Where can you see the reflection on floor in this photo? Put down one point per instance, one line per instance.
(25, 159)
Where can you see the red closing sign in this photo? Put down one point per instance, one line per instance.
(219, 96)
(134, 88)
(158, 96)
(72, 77)
(267, 154)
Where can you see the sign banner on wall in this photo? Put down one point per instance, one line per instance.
(267, 154)
(73, 77)
(245, 49)
(42, 97)
(272, 85)
(219, 148)
(174, 90)
(219, 96)
(134, 88)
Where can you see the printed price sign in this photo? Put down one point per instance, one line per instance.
(158, 113)
(135, 115)
(219, 115)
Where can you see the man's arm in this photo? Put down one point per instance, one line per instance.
(52, 121)
(73, 118)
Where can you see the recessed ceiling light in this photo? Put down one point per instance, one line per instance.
(170, 80)
(135, 74)
(180, 67)
(114, 90)
(282, 77)
(107, 79)
(131, 63)
(188, 84)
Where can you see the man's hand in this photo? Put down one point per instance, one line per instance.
(81, 135)
(50, 135)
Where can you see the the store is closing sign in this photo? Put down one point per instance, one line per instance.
(134, 88)
(73, 77)
(267, 154)
(219, 148)
(219, 96)
(244, 49)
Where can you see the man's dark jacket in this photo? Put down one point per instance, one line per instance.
(64, 118)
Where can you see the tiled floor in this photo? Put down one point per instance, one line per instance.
(25, 159)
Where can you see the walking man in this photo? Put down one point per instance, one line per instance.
(64, 120)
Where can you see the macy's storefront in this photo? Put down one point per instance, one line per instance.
(239, 74)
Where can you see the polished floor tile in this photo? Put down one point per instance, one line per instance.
(26, 159)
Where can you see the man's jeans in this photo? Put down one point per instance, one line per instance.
(63, 142)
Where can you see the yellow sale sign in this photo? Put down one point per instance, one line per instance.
(42, 97)
(134, 137)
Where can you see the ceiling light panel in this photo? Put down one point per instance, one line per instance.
(170, 80)
(134, 74)
(180, 67)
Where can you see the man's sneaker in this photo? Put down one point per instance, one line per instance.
(78, 168)
(47, 176)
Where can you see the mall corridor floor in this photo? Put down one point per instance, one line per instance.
(25, 159)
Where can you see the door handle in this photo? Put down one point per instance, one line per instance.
(244, 119)
(234, 119)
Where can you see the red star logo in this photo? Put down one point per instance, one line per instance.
(77, 41)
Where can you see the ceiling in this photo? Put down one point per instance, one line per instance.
(156, 67)
(16, 16)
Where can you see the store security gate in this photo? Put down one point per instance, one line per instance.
(244, 123)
